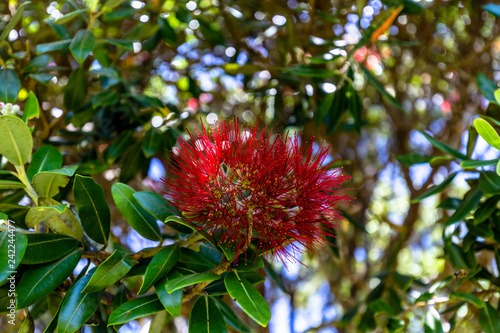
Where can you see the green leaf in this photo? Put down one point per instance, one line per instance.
(473, 164)
(381, 88)
(248, 298)
(44, 159)
(471, 141)
(486, 209)
(65, 223)
(492, 8)
(110, 271)
(498, 168)
(189, 280)
(27, 325)
(136, 308)
(412, 159)
(489, 182)
(82, 44)
(355, 107)
(206, 317)
(194, 261)
(110, 4)
(10, 85)
(489, 319)
(126, 44)
(10, 185)
(435, 189)
(14, 20)
(53, 46)
(92, 208)
(162, 262)
(42, 77)
(78, 306)
(487, 87)
(105, 97)
(444, 147)
(468, 204)
(171, 301)
(456, 256)
(380, 306)
(75, 90)
(432, 322)
(39, 281)
(70, 16)
(231, 317)
(37, 62)
(47, 183)
(16, 140)
(10, 240)
(41, 213)
(31, 108)
(138, 218)
(474, 300)
(46, 247)
(304, 71)
(218, 287)
(151, 142)
(487, 132)
(154, 204)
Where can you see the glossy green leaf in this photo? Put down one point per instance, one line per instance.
(487, 132)
(444, 147)
(381, 88)
(154, 204)
(70, 16)
(487, 87)
(218, 287)
(171, 301)
(41, 213)
(474, 300)
(16, 140)
(14, 20)
(65, 223)
(498, 168)
(435, 189)
(10, 85)
(12, 249)
(469, 203)
(46, 247)
(492, 8)
(110, 4)
(486, 209)
(110, 271)
(248, 298)
(42, 77)
(489, 182)
(206, 317)
(136, 308)
(104, 98)
(138, 218)
(82, 44)
(489, 319)
(37, 62)
(194, 261)
(92, 208)
(31, 108)
(355, 107)
(39, 281)
(473, 164)
(119, 146)
(10, 185)
(162, 262)
(189, 280)
(126, 44)
(412, 159)
(230, 317)
(151, 142)
(75, 90)
(53, 46)
(78, 306)
(44, 159)
(48, 183)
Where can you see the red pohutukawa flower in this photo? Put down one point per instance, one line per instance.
(255, 190)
